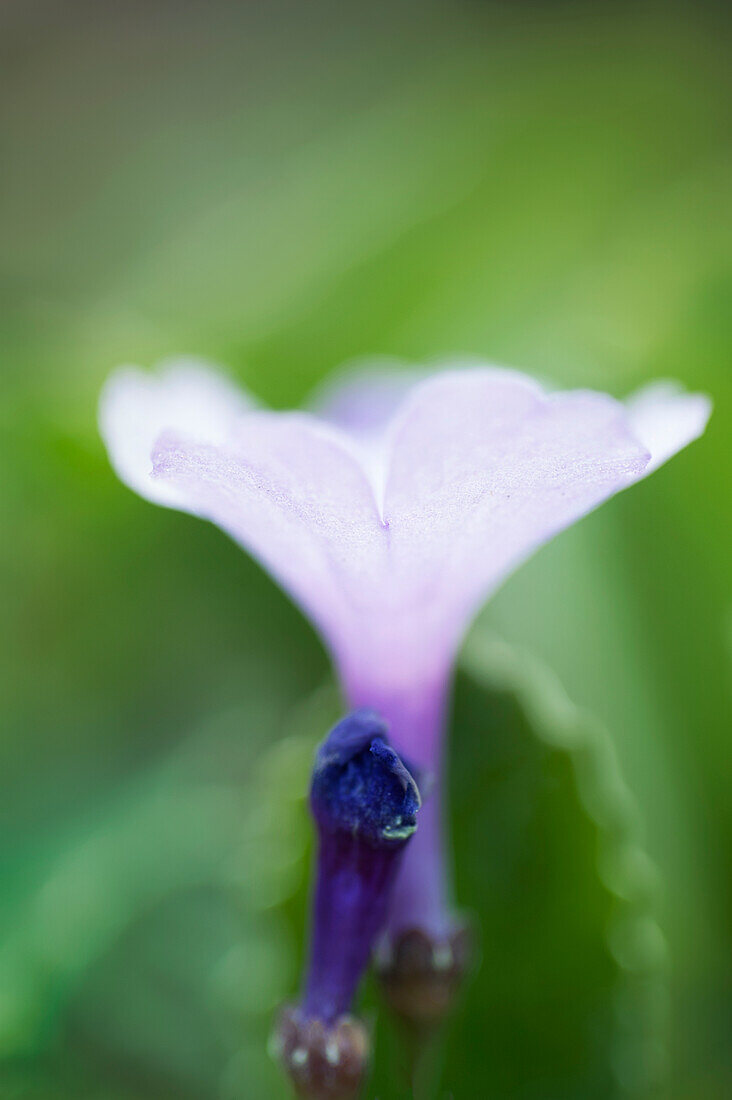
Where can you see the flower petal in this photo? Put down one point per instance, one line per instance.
(284, 485)
(363, 398)
(484, 468)
(135, 407)
(288, 489)
(665, 418)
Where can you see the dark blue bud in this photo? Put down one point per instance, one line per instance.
(350, 736)
(361, 787)
(365, 805)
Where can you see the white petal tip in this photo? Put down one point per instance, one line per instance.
(665, 419)
(136, 407)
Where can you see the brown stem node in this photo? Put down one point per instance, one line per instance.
(324, 1061)
(421, 974)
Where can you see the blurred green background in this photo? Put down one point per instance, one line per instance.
(282, 187)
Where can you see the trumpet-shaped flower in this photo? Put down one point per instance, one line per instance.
(391, 517)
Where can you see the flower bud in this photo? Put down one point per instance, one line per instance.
(421, 973)
(364, 802)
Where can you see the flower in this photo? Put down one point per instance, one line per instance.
(391, 517)
(365, 804)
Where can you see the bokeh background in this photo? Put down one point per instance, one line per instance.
(283, 187)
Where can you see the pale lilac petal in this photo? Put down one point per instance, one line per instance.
(361, 401)
(288, 489)
(363, 398)
(185, 396)
(484, 468)
(286, 486)
(665, 418)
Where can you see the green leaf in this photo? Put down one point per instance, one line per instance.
(569, 998)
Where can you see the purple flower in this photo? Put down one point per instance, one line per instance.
(391, 517)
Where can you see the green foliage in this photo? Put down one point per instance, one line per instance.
(153, 949)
